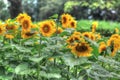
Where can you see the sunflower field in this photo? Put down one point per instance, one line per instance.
(54, 49)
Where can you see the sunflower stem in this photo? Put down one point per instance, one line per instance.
(38, 68)
(68, 68)
(54, 62)
(76, 69)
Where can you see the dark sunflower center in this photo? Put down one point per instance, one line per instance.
(76, 38)
(46, 28)
(103, 49)
(0, 30)
(26, 24)
(81, 48)
(64, 19)
(71, 40)
(72, 24)
(86, 35)
(29, 34)
(10, 27)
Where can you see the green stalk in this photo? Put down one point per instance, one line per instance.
(38, 68)
(68, 68)
(76, 70)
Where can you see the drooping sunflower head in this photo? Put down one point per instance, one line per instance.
(59, 30)
(52, 23)
(97, 37)
(114, 44)
(46, 29)
(9, 36)
(102, 47)
(11, 25)
(82, 49)
(26, 35)
(26, 25)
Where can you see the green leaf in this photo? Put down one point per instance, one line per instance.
(71, 61)
(22, 69)
(37, 59)
(21, 48)
(50, 75)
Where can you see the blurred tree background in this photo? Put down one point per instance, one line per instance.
(81, 9)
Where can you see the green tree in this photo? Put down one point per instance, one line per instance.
(4, 14)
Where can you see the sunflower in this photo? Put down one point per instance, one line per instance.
(77, 33)
(97, 37)
(52, 23)
(92, 36)
(116, 30)
(114, 43)
(102, 47)
(26, 35)
(11, 26)
(113, 52)
(26, 25)
(21, 16)
(72, 24)
(86, 34)
(2, 29)
(46, 29)
(65, 19)
(59, 30)
(34, 26)
(9, 36)
(94, 25)
(115, 36)
(74, 38)
(82, 49)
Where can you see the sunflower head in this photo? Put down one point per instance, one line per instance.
(46, 28)
(115, 36)
(97, 37)
(59, 30)
(2, 29)
(26, 25)
(77, 33)
(82, 49)
(9, 36)
(102, 47)
(65, 19)
(94, 24)
(116, 30)
(74, 38)
(86, 34)
(26, 35)
(21, 16)
(72, 24)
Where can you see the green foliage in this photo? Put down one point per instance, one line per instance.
(4, 13)
(69, 5)
(103, 26)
